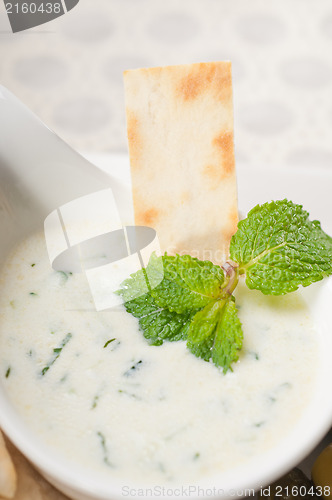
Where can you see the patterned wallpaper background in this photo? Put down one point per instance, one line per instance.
(69, 71)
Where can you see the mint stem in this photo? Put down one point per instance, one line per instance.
(231, 270)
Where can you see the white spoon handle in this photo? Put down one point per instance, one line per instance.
(37, 164)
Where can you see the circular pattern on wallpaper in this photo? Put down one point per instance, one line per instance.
(82, 115)
(70, 71)
(90, 26)
(40, 71)
(173, 27)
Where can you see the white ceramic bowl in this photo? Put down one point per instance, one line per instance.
(26, 203)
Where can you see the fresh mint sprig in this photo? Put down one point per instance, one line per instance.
(278, 248)
(182, 298)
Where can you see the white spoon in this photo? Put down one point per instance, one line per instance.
(43, 179)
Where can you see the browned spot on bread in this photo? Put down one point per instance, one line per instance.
(234, 216)
(134, 140)
(198, 80)
(148, 217)
(223, 82)
(225, 144)
(214, 174)
(207, 77)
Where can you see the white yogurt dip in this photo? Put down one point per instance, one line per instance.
(91, 388)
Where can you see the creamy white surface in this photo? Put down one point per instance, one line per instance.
(171, 418)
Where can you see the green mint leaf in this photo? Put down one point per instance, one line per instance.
(196, 275)
(216, 334)
(158, 324)
(205, 322)
(183, 298)
(189, 284)
(202, 349)
(187, 304)
(228, 338)
(185, 284)
(142, 281)
(279, 248)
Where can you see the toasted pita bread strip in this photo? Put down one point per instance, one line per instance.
(180, 135)
(8, 478)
